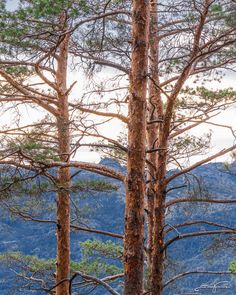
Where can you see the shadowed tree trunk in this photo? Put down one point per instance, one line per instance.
(154, 118)
(157, 261)
(135, 182)
(63, 198)
(157, 257)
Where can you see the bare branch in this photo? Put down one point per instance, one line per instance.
(197, 234)
(188, 169)
(97, 281)
(200, 200)
(184, 274)
(99, 113)
(175, 226)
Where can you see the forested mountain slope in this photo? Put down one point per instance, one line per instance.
(105, 211)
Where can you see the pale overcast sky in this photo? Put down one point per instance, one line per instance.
(221, 138)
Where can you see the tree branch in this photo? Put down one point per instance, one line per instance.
(202, 200)
(28, 217)
(97, 281)
(186, 170)
(196, 272)
(197, 234)
(173, 227)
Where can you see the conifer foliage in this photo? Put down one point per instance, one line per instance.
(148, 65)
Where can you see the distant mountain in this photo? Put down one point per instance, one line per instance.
(213, 253)
(105, 211)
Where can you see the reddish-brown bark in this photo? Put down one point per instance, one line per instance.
(154, 118)
(163, 137)
(135, 182)
(157, 261)
(63, 197)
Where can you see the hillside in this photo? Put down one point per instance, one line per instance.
(105, 211)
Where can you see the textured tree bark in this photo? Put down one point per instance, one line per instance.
(157, 262)
(157, 253)
(157, 267)
(154, 118)
(63, 197)
(135, 182)
(160, 186)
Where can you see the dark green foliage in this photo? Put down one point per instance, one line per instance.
(36, 150)
(37, 143)
(93, 185)
(31, 263)
(98, 258)
(203, 99)
(216, 8)
(96, 247)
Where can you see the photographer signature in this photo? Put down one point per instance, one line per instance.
(214, 287)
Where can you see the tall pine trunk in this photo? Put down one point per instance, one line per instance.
(157, 262)
(135, 182)
(63, 197)
(156, 164)
(154, 117)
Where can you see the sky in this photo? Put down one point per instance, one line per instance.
(11, 4)
(221, 138)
